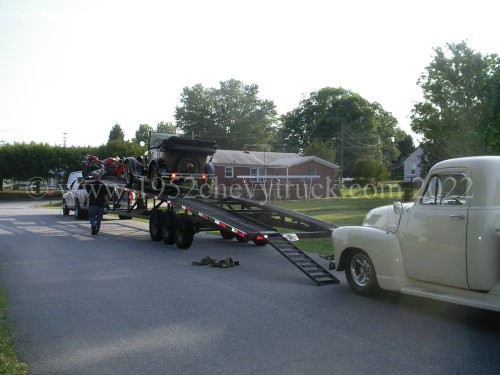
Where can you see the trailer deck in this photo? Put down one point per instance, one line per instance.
(177, 213)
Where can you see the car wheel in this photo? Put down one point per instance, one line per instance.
(65, 208)
(360, 273)
(184, 231)
(78, 211)
(155, 178)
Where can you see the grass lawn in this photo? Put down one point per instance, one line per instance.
(348, 210)
(8, 356)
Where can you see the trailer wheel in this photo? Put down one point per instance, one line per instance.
(155, 225)
(260, 242)
(241, 239)
(167, 227)
(227, 235)
(184, 231)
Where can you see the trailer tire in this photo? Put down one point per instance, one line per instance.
(227, 235)
(242, 239)
(184, 231)
(155, 225)
(260, 242)
(167, 227)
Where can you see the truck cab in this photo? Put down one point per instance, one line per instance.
(445, 245)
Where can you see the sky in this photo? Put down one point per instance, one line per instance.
(71, 69)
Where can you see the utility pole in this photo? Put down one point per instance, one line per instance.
(64, 139)
(341, 151)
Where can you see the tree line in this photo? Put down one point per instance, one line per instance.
(459, 116)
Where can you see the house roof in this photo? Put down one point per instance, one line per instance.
(261, 158)
(415, 155)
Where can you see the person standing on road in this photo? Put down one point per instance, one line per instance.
(98, 196)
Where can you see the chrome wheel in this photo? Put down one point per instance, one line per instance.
(361, 270)
(360, 273)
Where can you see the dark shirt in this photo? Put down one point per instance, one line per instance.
(97, 193)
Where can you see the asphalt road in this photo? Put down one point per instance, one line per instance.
(119, 303)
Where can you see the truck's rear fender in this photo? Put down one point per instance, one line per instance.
(382, 247)
(135, 166)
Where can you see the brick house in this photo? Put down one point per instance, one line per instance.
(273, 175)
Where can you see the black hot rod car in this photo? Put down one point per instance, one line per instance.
(171, 158)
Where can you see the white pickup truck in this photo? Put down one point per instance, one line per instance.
(75, 198)
(445, 245)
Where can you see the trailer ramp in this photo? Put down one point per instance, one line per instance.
(301, 260)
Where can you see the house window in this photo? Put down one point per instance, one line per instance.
(311, 172)
(228, 172)
(257, 172)
(413, 169)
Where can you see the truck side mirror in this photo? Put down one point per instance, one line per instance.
(398, 208)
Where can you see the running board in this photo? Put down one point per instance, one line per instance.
(301, 260)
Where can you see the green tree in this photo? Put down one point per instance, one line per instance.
(371, 169)
(459, 113)
(166, 127)
(232, 115)
(360, 128)
(116, 134)
(142, 134)
(325, 150)
(405, 146)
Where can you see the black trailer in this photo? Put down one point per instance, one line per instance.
(177, 213)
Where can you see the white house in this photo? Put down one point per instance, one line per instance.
(412, 165)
